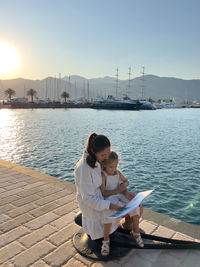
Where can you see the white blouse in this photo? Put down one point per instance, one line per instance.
(92, 204)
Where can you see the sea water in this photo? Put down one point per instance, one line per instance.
(158, 149)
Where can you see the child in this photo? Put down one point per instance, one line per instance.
(114, 188)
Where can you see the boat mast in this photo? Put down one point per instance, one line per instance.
(117, 82)
(129, 81)
(142, 82)
(69, 84)
(88, 90)
(59, 87)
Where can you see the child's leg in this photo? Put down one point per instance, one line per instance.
(129, 218)
(105, 249)
(135, 220)
(136, 230)
(107, 227)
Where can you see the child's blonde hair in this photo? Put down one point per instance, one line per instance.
(112, 157)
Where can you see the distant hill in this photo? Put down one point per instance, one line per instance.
(77, 86)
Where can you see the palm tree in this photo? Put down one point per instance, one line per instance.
(10, 92)
(31, 93)
(65, 95)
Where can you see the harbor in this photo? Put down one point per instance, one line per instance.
(37, 226)
(99, 104)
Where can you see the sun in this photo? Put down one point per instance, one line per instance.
(9, 59)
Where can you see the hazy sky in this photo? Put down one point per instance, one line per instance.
(92, 38)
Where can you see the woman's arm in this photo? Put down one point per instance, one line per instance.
(87, 189)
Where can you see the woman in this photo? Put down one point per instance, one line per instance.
(88, 180)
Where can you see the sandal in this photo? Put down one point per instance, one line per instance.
(105, 249)
(138, 239)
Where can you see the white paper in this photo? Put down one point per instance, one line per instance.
(133, 204)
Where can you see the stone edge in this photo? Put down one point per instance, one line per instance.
(149, 215)
(38, 175)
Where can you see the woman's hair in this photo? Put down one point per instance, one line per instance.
(95, 143)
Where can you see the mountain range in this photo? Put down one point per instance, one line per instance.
(147, 86)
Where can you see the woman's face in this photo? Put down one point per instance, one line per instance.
(102, 155)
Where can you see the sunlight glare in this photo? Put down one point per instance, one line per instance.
(9, 59)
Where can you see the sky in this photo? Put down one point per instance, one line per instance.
(92, 38)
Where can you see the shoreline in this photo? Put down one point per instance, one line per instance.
(81, 105)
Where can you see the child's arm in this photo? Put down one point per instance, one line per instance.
(123, 179)
(105, 192)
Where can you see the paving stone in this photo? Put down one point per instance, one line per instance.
(37, 235)
(65, 208)
(6, 178)
(164, 232)
(83, 260)
(179, 254)
(73, 262)
(42, 201)
(21, 210)
(148, 254)
(3, 218)
(31, 255)
(138, 261)
(40, 263)
(108, 264)
(41, 221)
(28, 179)
(66, 199)
(7, 200)
(61, 255)
(192, 259)
(63, 235)
(2, 190)
(5, 208)
(182, 237)
(14, 180)
(65, 192)
(48, 191)
(14, 186)
(63, 221)
(126, 258)
(43, 209)
(4, 183)
(23, 201)
(29, 192)
(148, 227)
(166, 260)
(7, 264)
(30, 186)
(12, 235)
(11, 192)
(17, 221)
(10, 251)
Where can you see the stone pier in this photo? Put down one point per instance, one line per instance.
(36, 226)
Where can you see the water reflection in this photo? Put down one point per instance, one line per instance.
(10, 136)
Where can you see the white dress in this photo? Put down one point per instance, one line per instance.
(92, 204)
(112, 183)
